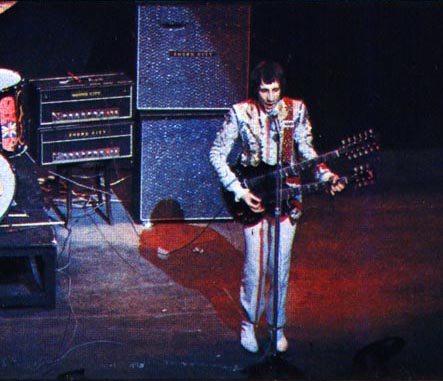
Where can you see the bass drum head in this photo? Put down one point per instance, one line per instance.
(7, 186)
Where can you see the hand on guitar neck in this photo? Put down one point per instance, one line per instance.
(337, 185)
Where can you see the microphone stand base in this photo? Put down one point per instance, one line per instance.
(273, 367)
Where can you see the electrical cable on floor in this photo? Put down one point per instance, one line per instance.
(72, 313)
(89, 202)
(70, 349)
(197, 236)
(92, 203)
(83, 206)
(116, 182)
(115, 250)
(70, 180)
(84, 186)
(66, 248)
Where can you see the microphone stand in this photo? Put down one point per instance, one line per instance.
(274, 365)
(277, 216)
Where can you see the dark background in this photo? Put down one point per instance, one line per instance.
(357, 64)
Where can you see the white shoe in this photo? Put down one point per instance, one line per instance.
(282, 342)
(247, 337)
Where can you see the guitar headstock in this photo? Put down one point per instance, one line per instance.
(363, 176)
(361, 144)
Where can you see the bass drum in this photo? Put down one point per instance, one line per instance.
(11, 110)
(7, 186)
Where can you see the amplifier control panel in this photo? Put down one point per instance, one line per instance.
(85, 115)
(81, 155)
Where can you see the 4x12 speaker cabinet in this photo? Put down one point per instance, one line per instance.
(177, 180)
(192, 56)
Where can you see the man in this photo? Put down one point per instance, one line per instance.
(260, 122)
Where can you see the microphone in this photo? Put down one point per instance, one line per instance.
(273, 115)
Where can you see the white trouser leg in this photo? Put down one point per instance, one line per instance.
(287, 233)
(258, 261)
(252, 290)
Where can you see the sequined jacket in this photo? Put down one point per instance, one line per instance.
(247, 120)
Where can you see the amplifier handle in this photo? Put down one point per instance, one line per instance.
(173, 25)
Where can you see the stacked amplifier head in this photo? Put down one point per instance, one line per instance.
(80, 119)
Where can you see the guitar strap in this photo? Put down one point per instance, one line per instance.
(287, 152)
(287, 145)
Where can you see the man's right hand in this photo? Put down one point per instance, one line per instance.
(253, 201)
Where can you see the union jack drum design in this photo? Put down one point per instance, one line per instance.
(10, 109)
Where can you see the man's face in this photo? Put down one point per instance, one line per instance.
(269, 94)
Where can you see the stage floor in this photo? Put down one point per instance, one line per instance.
(162, 302)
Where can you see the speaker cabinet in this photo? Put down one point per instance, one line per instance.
(192, 56)
(177, 181)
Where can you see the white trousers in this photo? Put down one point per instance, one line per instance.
(259, 261)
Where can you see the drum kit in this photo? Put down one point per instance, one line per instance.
(11, 121)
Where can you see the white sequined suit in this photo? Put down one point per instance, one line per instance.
(247, 120)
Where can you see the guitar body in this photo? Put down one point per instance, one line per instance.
(261, 180)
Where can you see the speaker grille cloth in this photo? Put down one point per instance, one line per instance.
(177, 180)
(192, 56)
